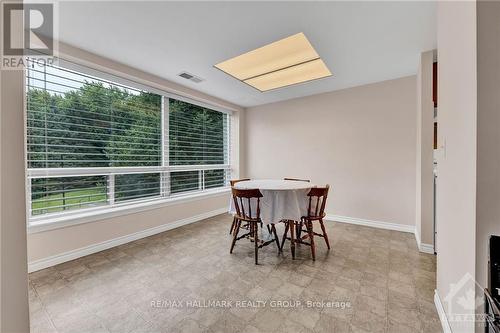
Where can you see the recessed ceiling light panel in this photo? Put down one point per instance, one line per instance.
(288, 61)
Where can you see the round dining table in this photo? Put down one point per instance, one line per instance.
(282, 199)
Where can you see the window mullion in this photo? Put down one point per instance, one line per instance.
(111, 189)
(29, 198)
(165, 149)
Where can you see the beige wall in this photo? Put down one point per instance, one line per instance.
(359, 140)
(456, 188)
(488, 132)
(425, 132)
(42, 245)
(49, 243)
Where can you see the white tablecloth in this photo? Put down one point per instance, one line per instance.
(282, 199)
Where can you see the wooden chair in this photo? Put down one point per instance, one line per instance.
(232, 182)
(298, 180)
(250, 196)
(315, 212)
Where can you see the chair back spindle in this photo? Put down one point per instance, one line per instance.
(249, 207)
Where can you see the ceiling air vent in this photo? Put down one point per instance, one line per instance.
(190, 77)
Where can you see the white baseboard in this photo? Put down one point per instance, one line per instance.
(423, 247)
(426, 248)
(372, 223)
(417, 238)
(84, 251)
(442, 315)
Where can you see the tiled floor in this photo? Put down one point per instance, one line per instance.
(374, 280)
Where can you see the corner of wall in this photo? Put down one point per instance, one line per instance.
(424, 160)
(14, 276)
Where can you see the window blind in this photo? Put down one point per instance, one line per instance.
(93, 143)
(75, 120)
(197, 135)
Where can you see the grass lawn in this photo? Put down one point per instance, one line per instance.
(71, 200)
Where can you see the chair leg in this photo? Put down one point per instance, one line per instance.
(232, 226)
(256, 242)
(275, 235)
(325, 236)
(235, 234)
(311, 239)
(292, 239)
(287, 225)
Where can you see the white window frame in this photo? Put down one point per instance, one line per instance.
(59, 219)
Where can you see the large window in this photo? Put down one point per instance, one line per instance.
(95, 143)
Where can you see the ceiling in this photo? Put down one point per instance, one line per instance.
(360, 42)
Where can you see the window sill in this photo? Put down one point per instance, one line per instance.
(61, 221)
